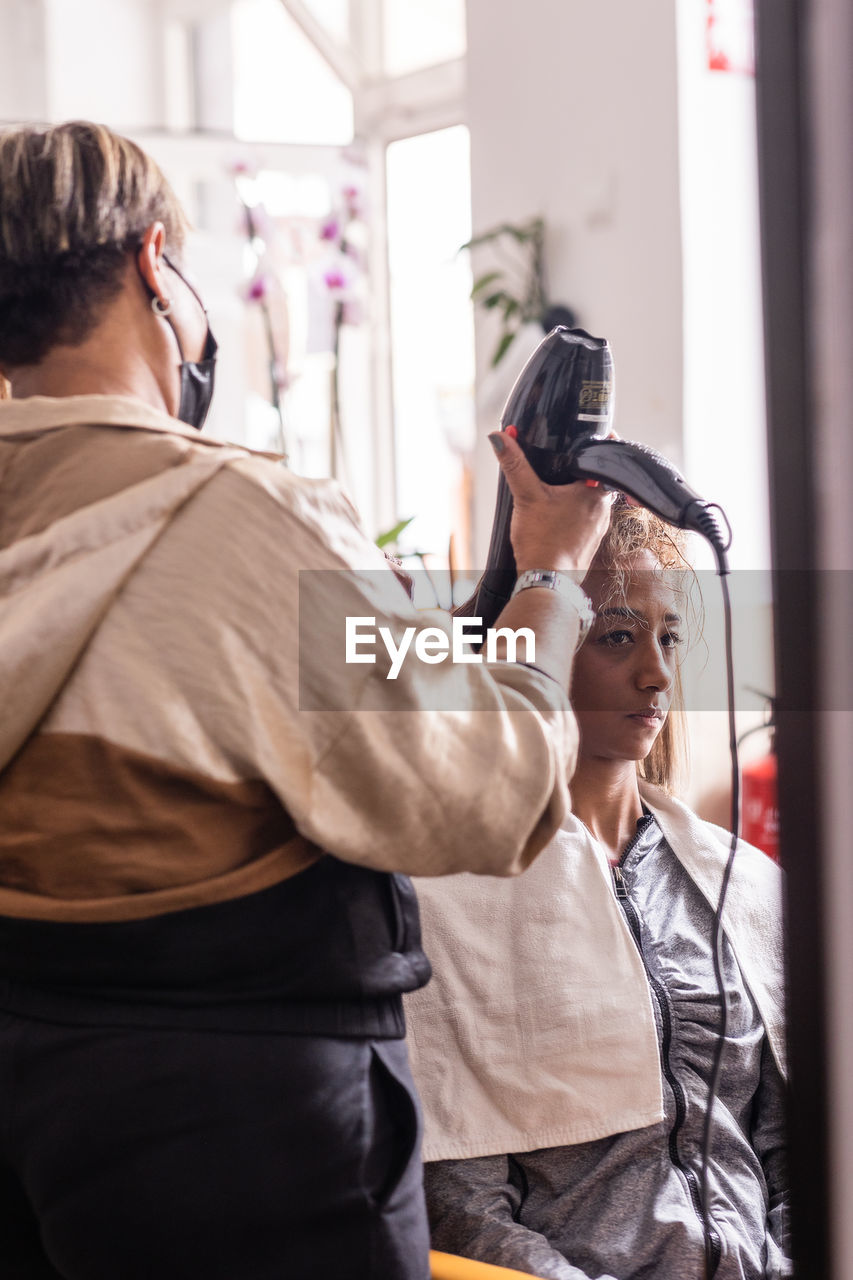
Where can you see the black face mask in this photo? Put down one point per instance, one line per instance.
(196, 375)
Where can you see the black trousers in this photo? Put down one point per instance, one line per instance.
(148, 1154)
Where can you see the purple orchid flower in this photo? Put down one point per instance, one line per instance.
(258, 288)
(354, 200)
(335, 279)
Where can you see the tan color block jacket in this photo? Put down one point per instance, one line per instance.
(153, 753)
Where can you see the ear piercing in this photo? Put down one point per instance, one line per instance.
(161, 306)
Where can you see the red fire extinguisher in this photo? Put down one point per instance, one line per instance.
(759, 810)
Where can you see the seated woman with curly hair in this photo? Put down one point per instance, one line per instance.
(564, 1048)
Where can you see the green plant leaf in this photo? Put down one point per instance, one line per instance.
(390, 536)
(481, 239)
(483, 281)
(533, 302)
(521, 234)
(502, 347)
(522, 231)
(497, 299)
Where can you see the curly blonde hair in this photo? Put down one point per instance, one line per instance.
(634, 530)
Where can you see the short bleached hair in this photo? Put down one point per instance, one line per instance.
(75, 198)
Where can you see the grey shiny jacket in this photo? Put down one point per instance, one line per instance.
(626, 1207)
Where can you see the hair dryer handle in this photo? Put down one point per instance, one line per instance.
(646, 475)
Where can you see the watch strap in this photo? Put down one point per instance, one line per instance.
(565, 585)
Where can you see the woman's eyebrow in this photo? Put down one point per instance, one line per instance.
(635, 615)
(619, 613)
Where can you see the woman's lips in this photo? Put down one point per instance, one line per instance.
(651, 716)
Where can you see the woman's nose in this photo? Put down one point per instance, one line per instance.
(654, 669)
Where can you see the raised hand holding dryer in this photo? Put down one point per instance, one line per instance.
(561, 407)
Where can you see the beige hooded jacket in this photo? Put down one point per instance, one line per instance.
(170, 737)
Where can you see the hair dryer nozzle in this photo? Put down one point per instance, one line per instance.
(564, 392)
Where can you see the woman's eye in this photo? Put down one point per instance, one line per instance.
(671, 640)
(616, 639)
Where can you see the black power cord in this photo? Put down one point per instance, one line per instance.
(711, 1255)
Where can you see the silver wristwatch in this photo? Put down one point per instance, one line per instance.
(566, 586)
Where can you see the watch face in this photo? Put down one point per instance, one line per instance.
(564, 585)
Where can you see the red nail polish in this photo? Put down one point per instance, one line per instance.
(512, 431)
(592, 484)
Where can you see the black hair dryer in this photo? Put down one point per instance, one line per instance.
(562, 408)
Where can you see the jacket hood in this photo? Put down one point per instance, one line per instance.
(57, 584)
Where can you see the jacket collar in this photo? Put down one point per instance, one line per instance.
(36, 415)
(753, 912)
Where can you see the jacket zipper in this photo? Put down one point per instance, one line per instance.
(677, 1091)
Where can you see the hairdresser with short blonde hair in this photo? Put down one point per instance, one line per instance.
(205, 921)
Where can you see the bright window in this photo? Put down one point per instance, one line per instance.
(334, 15)
(284, 91)
(429, 217)
(422, 33)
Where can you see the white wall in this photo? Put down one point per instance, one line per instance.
(106, 59)
(105, 54)
(573, 112)
(604, 118)
(725, 453)
(118, 61)
(23, 82)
